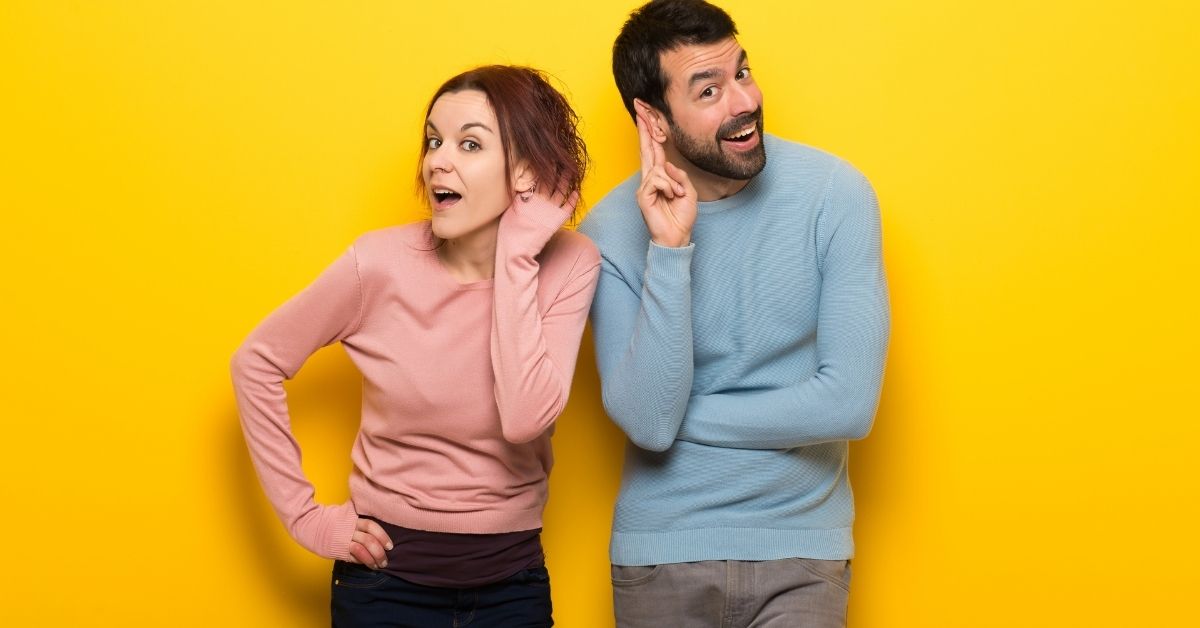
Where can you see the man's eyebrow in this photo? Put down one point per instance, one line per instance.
(704, 75)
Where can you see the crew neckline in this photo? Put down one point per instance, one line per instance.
(443, 273)
(744, 195)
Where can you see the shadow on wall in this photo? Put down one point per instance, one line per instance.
(324, 400)
(588, 451)
(885, 468)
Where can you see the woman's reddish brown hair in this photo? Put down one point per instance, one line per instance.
(537, 124)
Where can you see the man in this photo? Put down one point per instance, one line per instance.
(741, 326)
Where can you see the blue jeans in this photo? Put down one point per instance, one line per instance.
(363, 598)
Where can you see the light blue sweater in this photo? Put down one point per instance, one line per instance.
(739, 366)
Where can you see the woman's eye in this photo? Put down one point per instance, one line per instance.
(432, 143)
(471, 146)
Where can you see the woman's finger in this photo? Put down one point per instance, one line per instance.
(362, 555)
(572, 201)
(561, 194)
(376, 554)
(375, 530)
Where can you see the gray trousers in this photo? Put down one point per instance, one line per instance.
(787, 593)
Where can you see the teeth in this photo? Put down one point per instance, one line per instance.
(444, 194)
(742, 134)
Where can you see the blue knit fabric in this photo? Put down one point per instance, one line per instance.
(739, 366)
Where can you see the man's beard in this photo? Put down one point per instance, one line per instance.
(713, 159)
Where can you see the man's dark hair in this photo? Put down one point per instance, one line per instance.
(656, 27)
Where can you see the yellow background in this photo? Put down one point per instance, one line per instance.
(172, 171)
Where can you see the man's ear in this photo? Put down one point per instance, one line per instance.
(524, 178)
(658, 121)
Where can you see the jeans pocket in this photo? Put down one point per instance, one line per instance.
(835, 572)
(356, 576)
(632, 575)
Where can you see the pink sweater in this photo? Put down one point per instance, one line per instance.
(461, 382)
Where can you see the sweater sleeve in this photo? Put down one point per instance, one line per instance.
(327, 311)
(644, 345)
(534, 353)
(839, 401)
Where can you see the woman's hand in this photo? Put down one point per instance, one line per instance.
(548, 206)
(370, 544)
(666, 196)
(533, 218)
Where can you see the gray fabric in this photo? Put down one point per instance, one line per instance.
(787, 593)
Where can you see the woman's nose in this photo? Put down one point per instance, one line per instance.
(439, 160)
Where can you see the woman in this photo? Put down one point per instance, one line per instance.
(466, 329)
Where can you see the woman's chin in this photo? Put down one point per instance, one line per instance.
(446, 228)
(441, 230)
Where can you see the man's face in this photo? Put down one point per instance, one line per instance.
(716, 109)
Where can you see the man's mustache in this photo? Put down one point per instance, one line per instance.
(740, 123)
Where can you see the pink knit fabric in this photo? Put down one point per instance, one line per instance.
(461, 382)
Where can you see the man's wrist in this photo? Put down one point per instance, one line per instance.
(676, 242)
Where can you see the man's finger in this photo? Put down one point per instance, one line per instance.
(660, 157)
(679, 177)
(657, 158)
(644, 143)
(658, 183)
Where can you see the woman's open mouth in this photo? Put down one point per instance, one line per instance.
(445, 198)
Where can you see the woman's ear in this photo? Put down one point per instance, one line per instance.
(524, 180)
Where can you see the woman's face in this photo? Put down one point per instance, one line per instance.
(463, 167)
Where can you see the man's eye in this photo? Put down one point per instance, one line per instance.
(743, 73)
(708, 92)
(470, 146)
(432, 143)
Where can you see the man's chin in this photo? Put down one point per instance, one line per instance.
(744, 167)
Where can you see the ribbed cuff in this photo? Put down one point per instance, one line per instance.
(671, 263)
(341, 521)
